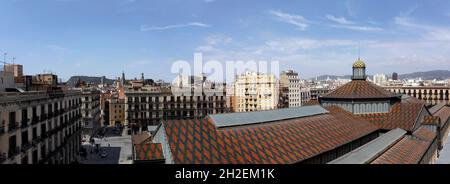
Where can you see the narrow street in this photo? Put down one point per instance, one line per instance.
(117, 148)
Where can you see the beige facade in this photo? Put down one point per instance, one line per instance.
(16, 69)
(255, 92)
(290, 89)
(429, 94)
(150, 105)
(116, 111)
(40, 127)
(90, 110)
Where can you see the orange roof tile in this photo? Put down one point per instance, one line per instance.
(406, 151)
(280, 142)
(424, 134)
(431, 120)
(149, 151)
(359, 89)
(443, 114)
(312, 102)
(401, 115)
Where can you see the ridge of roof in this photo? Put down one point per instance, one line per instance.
(360, 89)
(370, 151)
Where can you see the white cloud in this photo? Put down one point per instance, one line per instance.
(145, 28)
(339, 20)
(57, 48)
(208, 1)
(358, 28)
(342, 22)
(297, 20)
(410, 11)
(213, 41)
(428, 32)
(351, 8)
(217, 38)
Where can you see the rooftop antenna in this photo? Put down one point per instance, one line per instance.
(359, 50)
(14, 58)
(4, 57)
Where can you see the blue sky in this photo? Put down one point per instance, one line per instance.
(106, 37)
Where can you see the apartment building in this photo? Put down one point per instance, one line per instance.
(150, 105)
(289, 89)
(255, 92)
(40, 127)
(116, 111)
(90, 110)
(305, 95)
(16, 69)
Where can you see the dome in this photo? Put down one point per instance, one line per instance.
(359, 64)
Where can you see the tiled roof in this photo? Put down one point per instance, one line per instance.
(312, 102)
(357, 89)
(409, 150)
(149, 151)
(141, 138)
(279, 142)
(431, 120)
(424, 134)
(436, 108)
(377, 119)
(401, 115)
(444, 114)
(410, 99)
(406, 151)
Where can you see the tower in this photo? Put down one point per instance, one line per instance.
(123, 78)
(359, 70)
(394, 76)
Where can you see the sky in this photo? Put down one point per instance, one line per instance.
(106, 37)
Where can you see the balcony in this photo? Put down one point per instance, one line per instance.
(25, 146)
(13, 151)
(12, 126)
(43, 117)
(24, 123)
(35, 120)
(35, 141)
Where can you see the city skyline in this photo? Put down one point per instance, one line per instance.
(79, 37)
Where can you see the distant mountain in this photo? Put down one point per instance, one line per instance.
(334, 77)
(88, 79)
(427, 75)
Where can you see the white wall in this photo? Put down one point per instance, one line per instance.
(6, 80)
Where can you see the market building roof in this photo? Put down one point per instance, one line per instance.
(359, 89)
(370, 151)
(402, 115)
(283, 141)
(148, 152)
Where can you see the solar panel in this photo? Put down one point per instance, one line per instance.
(246, 118)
